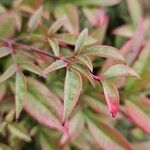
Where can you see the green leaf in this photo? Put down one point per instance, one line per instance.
(35, 19)
(3, 88)
(56, 26)
(72, 89)
(86, 61)
(31, 67)
(58, 64)
(55, 46)
(104, 51)
(17, 130)
(112, 97)
(21, 89)
(120, 70)
(84, 71)
(8, 73)
(137, 116)
(81, 40)
(4, 51)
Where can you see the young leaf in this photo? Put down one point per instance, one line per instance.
(81, 40)
(84, 71)
(8, 73)
(72, 89)
(20, 92)
(86, 61)
(54, 45)
(112, 97)
(35, 19)
(31, 67)
(120, 70)
(56, 26)
(138, 116)
(76, 125)
(58, 64)
(4, 51)
(19, 131)
(104, 51)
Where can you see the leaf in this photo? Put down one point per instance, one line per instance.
(86, 61)
(144, 145)
(97, 2)
(120, 70)
(72, 89)
(35, 19)
(84, 71)
(111, 96)
(70, 13)
(20, 92)
(55, 46)
(81, 40)
(4, 147)
(19, 131)
(8, 73)
(56, 26)
(3, 88)
(31, 67)
(137, 116)
(4, 51)
(102, 139)
(41, 113)
(76, 125)
(135, 10)
(104, 51)
(58, 64)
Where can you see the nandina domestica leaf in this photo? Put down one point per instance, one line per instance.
(54, 45)
(137, 116)
(58, 64)
(4, 51)
(35, 19)
(8, 73)
(120, 70)
(81, 40)
(104, 51)
(112, 97)
(21, 89)
(72, 89)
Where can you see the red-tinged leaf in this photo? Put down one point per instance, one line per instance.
(41, 113)
(56, 26)
(3, 88)
(46, 96)
(31, 67)
(102, 139)
(137, 116)
(86, 61)
(72, 89)
(17, 130)
(97, 2)
(58, 64)
(21, 89)
(8, 73)
(135, 10)
(4, 51)
(76, 125)
(142, 145)
(55, 46)
(96, 105)
(120, 70)
(70, 39)
(112, 97)
(81, 40)
(85, 72)
(35, 19)
(70, 12)
(104, 51)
